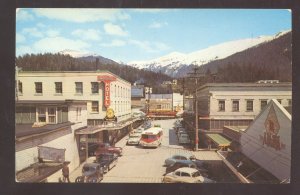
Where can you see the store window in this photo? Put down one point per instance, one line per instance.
(235, 105)
(263, 104)
(249, 107)
(38, 87)
(78, 87)
(95, 106)
(52, 115)
(221, 105)
(95, 87)
(58, 87)
(41, 114)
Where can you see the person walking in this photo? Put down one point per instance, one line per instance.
(65, 172)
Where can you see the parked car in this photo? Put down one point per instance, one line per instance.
(184, 138)
(186, 175)
(106, 148)
(134, 139)
(91, 173)
(190, 164)
(183, 158)
(107, 161)
(137, 131)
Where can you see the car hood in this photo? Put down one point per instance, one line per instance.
(134, 139)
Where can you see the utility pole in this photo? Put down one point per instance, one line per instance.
(196, 75)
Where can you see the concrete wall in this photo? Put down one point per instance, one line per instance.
(277, 162)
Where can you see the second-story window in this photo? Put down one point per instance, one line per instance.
(263, 104)
(58, 87)
(95, 87)
(38, 87)
(78, 87)
(235, 105)
(249, 107)
(20, 87)
(221, 105)
(95, 106)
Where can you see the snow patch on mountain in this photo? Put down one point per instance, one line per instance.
(76, 54)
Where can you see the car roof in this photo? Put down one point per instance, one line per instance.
(185, 155)
(185, 162)
(187, 169)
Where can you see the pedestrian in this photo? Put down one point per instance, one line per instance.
(65, 172)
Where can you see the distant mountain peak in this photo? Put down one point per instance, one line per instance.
(76, 54)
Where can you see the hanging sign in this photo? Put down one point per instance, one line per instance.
(106, 79)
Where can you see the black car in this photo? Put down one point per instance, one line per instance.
(91, 173)
(107, 161)
(190, 164)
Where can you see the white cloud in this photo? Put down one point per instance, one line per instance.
(20, 38)
(114, 43)
(22, 14)
(158, 24)
(56, 44)
(33, 32)
(82, 15)
(113, 29)
(52, 33)
(23, 49)
(41, 25)
(89, 34)
(150, 46)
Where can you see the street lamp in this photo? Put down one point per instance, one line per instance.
(148, 91)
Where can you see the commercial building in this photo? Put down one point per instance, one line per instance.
(60, 115)
(237, 104)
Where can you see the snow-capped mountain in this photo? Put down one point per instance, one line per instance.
(169, 64)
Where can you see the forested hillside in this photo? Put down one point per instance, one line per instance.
(59, 62)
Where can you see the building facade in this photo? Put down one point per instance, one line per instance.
(237, 104)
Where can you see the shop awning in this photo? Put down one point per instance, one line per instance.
(220, 140)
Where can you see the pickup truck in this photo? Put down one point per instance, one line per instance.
(106, 148)
(107, 161)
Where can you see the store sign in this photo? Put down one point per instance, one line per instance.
(106, 79)
(54, 154)
(270, 137)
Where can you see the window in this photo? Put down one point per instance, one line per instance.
(95, 106)
(20, 87)
(263, 104)
(249, 105)
(95, 87)
(235, 105)
(58, 87)
(38, 87)
(177, 173)
(183, 174)
(51, 115)
(279, 100)
(42, 114)
(78, 89)
(221, 105)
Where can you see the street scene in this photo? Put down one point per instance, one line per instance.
(153, 96)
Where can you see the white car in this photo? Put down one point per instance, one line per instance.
(134, 139)
(184, 139)
(186, 175)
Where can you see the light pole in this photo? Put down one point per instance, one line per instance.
(148, 91)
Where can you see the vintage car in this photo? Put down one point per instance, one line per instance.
(106, 148)
(91, 173)
(182, 158)
(137, 131)
(134, 139)
(106, 161)
(190, 164)
(184, 138)
(186, 175)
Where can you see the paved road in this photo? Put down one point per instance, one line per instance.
(145, 165)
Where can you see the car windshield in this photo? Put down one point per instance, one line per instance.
(196, 174)
(133, 136)
(149, 136)
(86, 169)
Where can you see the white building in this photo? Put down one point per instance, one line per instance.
(237, 104)
(51, 107)
(267, 141)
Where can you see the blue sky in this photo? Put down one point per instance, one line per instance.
(140, 34)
